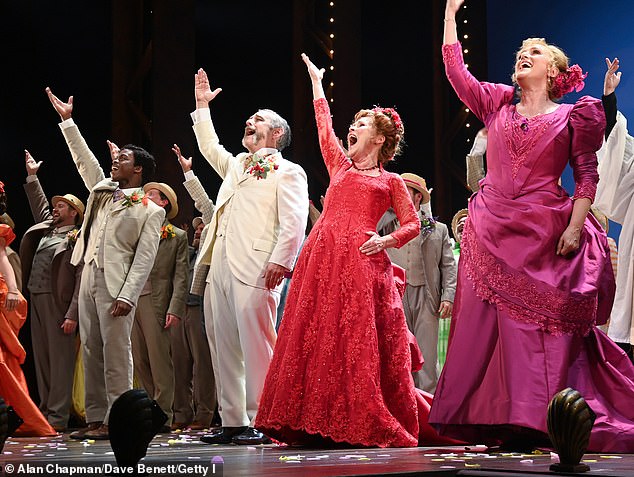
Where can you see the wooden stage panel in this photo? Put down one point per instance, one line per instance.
(275, 460)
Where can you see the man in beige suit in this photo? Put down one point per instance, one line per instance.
(161, 305)
(253, 239)
(430, 271)
(53, 285)
(118, 243)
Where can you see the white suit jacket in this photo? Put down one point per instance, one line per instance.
(268, 216)
(615, 198)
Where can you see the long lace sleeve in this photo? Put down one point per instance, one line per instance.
(481, 97)
(587, 121)
(334, 156)
(405, 212)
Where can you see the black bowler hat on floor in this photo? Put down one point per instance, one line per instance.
(134, 421)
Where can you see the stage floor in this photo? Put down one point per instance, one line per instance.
(184, 450)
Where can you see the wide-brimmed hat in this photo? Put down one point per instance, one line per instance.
(167, 192)
(71, 200)
(601, 217)
(414, 181)
(454, 222)
(196, 222)
(7, 220)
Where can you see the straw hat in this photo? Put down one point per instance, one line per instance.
(7, 220)
(167, 192)
(414, 181)
(71, 200)
(196, 222)
(456, 219)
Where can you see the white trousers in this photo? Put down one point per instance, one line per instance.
(243, 321)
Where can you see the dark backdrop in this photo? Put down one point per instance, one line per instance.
(385, 53)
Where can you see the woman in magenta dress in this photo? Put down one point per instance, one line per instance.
(341, 368)
(534, 276)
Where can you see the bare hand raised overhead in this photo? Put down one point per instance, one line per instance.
(612, 78)
(32, 166)
(202, 89)
(186, 164)
(65, 110)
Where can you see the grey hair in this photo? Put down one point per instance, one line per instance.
(278, 121)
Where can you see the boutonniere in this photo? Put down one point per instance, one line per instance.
(71, 236)
(135, 198)
(260, 166)
(427, 225)
(167, 232)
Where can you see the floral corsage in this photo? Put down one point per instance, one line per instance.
(167, 232)
(427, 225)
(71, 236)
(259, 166)
(135, 198)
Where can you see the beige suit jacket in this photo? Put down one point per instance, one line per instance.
(268, 216)
(169, 276)
(439, 266)
(132, 238)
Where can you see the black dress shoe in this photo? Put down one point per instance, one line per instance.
(251, 437)
(223, 436)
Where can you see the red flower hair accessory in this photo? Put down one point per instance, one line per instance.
(568, 81)
(392, 114)
(1, 187)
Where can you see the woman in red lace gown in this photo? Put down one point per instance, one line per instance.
(341, 368)
(13, 309)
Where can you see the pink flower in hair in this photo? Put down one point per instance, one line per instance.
(1, 187)
(568, 81)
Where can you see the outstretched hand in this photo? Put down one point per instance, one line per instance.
(202, 89)
(612, 78)
(316, 74)
(32, 166)
(114, 150)
(65, 110)
(186, 164)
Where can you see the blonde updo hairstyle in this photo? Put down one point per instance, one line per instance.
(391, 129)
(558, 59)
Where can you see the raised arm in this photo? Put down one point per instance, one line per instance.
(196, 191)
(87, 164)
(610, 82)
(202, 90)
(34, 193)
(316, 77)
(451, 32)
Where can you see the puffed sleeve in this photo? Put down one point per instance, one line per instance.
(481, 97)
(334, 156)
(405, 212)
(587, 123)
(7, 234)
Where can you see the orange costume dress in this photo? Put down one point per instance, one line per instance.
(12, 382)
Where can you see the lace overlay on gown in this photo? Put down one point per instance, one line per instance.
(341, 367)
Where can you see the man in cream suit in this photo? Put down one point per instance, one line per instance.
(253, 239)
(430, 271)
(161, 305)
(118, 243)
(53, 285)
